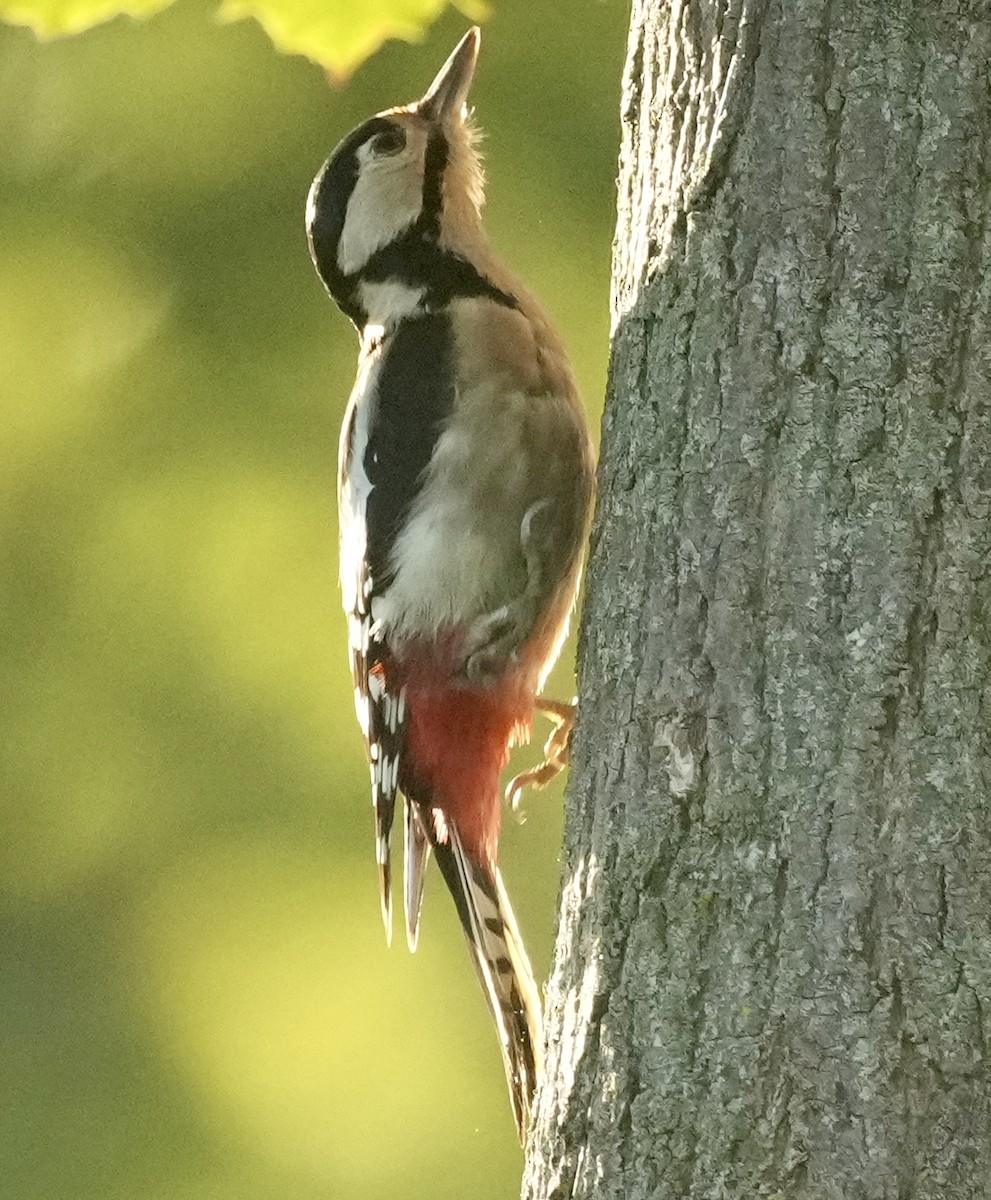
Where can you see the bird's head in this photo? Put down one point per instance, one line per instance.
(405, 184)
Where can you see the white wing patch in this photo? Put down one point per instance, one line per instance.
(381, 712)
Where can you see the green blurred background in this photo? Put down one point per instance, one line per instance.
(195, 995)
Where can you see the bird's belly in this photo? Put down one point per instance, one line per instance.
(444, 574)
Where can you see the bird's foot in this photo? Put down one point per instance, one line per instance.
(557, 749)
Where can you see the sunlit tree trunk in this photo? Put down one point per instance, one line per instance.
(773, 970)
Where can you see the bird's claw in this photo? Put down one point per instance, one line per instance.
(557, 750)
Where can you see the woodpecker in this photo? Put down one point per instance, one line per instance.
(465, 483)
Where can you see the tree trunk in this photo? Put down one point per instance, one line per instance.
(773, 970)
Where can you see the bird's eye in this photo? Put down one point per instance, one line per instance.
(389, 141)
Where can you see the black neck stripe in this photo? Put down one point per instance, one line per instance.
(444, 276)
(434, 166)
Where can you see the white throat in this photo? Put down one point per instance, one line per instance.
(390, 301)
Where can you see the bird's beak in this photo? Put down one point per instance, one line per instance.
(445, 98)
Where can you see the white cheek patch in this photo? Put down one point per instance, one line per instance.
(386, 199)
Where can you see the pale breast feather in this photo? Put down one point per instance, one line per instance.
(503, 454)
(411, 400)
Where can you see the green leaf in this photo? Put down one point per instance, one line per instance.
(59, 18)
(341, 34)
(337, 34)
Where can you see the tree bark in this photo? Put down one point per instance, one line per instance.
(773, 970)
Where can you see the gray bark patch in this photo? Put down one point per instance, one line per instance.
(773, 972)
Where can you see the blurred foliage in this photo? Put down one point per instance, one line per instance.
(197, 1000)
(339, 34)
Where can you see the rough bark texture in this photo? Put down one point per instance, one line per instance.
(773, 974)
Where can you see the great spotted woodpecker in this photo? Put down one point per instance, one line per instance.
(465, 484)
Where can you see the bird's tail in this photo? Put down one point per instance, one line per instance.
(502, 965)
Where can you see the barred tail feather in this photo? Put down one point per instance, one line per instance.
(384, 808)
(385, 896)
(502, 965)
(384, 720)
(417, 856)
